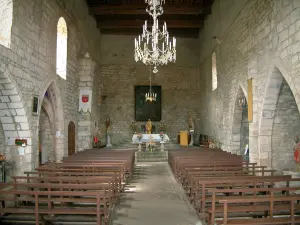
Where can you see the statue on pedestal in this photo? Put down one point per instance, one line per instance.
(148, 127)
(296, 149)
(108, 129)
(191, 130)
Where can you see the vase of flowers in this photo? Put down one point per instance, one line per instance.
(162, 135)
(139, 137)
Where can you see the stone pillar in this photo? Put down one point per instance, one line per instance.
(85, 123)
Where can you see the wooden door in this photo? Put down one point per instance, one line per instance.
(71, 138)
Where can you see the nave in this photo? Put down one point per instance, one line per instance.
(154, 197)
(197, 186)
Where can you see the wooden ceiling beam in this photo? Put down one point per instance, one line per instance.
(141, 9)
(187, 33)
(139, 24)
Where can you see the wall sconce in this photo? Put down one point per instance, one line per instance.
(18, 126)
(243, 104)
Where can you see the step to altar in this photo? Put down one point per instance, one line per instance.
(155, 156)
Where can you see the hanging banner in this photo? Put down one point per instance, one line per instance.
(85, 101)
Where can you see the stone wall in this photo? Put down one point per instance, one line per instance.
(286, 126)
(119, 73)
(257, 40)
(28, 68)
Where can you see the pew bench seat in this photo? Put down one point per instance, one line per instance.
(260, 221)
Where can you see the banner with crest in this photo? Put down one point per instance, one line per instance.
(85, 101)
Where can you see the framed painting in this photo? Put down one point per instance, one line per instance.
(35, 105)
(147, 110)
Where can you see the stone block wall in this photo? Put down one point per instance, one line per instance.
(28, 67)
(119, 73)
(256, 39)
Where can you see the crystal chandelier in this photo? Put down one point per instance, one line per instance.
(150, 96)
(155, 47)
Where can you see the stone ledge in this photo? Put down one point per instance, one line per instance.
(156, 156)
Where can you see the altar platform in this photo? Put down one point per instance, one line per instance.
(146, 138)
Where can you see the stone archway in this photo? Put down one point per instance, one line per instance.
(240, 126)
(52, 105)
(46, 132)
(279, 123)
(15, 124)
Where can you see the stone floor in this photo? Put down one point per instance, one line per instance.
(154, 197)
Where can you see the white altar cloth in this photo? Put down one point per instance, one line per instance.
(145, 138)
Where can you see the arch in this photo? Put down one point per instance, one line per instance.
(13, 116)
(53, 103)
(267, 116)
(278, 80)
(6, 19)
(62, 48)
(240, 128)
(214, 71)
(71, 138)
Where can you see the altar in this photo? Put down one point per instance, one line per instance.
(146, 138)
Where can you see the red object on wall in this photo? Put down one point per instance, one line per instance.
(84, 98)
(95, 139)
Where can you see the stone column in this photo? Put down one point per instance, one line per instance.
(85, 123)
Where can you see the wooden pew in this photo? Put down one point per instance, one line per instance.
(55, 203)
(218, 195)
(271, 207)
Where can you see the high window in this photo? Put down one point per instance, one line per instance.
(214, 72)
(61, 48)
(6, 17)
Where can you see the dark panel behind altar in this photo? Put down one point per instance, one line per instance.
(145, 110)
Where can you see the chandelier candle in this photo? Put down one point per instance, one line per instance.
(160, 51)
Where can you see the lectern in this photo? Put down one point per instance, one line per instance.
(184, 136)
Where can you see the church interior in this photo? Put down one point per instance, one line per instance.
(139, 112)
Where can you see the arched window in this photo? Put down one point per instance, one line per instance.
(61, 48)
(6, 17)
(214, 72)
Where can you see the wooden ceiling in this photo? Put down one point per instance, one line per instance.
(184, 18)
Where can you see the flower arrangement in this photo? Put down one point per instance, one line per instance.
(2, 158)
(139, 136)
(162, 135)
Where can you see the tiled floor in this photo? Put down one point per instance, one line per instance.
(153, 197)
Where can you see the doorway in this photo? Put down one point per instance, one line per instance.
(71, 138)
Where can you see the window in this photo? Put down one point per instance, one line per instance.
(61, 48)
(214, 72)
(6, 17)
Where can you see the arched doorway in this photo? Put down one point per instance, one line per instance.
(240, 126)
(71, 138)
(279, 124)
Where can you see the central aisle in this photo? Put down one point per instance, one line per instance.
(154, 197)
